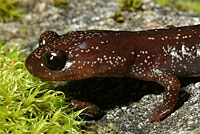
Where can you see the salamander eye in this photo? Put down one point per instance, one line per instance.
(55, 60)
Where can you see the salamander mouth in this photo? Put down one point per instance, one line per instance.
(51, 75)
(58, 78)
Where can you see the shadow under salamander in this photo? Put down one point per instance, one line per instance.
(106, 93)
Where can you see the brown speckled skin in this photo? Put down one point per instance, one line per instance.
(155, 55)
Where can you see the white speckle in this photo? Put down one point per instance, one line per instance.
(157, 71)
(184, 51)
(43, 42)
(151, 38)
(198, 52)
(184, 37)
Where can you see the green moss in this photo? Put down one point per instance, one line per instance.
(118, 17)
(9, 10)
(127, 5)
(27, 104)
(185, 5)
(189, 5)
(61, 3)
(130, 5)
(168, 3)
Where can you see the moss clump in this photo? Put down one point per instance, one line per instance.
(118, 17)
(168, 3)
(130, 5)
(188, 5)
(61, 3)
(9, 10)
(27, 105)
(185, 5)
(127, 5)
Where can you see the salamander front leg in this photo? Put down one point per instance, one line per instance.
(170, 98)
(91, 110)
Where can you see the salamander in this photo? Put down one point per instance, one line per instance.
(159, 55)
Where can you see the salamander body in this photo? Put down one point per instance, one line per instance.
(159, 55)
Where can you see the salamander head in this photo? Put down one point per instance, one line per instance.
(60, 58)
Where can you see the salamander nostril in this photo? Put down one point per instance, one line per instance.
(55, 59)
